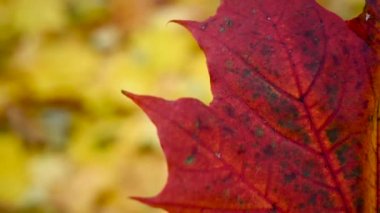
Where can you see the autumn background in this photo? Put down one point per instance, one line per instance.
(69, 141)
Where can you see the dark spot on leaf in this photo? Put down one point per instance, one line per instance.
(259, 132)
(190, 159)
(302, 206)
(267, 50)
(308, 33)
(306, 189)
(228, 22)
(312, 199)
(272, 98)
(246, 73)
(333, 134)
(327, 201)
(227, 131)
(268, 150)
(308, 168)
(240, 201)
(241, 150)
(284, 165)
(227, 179)
(274, 209)
(359, 204)
(230, 111)
(255, 95)
(288, 178)
(306, 138)
(290, 110)
(358, 85)
(331, 90)
(313, 66)
(229, 64)
(290, 125)
(354, 173)
(304, 49)
(341, 153)
(336, 60)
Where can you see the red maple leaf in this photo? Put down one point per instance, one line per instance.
(291, 126)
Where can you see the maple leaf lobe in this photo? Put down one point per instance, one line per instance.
(287, 77)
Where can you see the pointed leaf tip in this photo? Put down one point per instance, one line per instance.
(126, 93)
(140, 199)
(151, 105)
(135, 98)
(141, 100)
(188, 24)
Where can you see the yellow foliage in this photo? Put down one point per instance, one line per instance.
(13, 170)
(34, 16)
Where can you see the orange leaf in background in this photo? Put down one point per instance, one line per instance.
(367, 26)
(290, 128)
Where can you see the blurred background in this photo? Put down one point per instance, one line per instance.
(69, 141)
